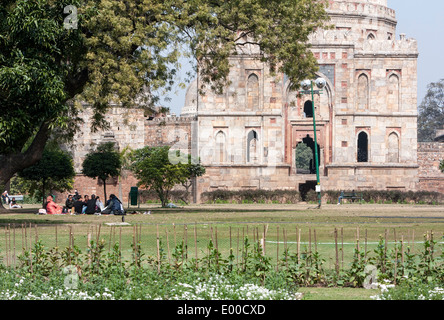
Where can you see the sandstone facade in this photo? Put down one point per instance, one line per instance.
(251, 135)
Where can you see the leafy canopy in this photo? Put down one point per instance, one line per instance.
(103, 163)
(54, 172)
(128, 52)
(431, 112)
(153, 169)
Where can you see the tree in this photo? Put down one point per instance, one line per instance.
(103, 163)
(193, 170)
(53, 172)
(441, 166)
(431, 112)
(127, 52)
(153, 169)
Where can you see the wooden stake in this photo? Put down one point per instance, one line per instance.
(174, 229)
(168, 244)
(342, 248)
(299, 245)
(315, 240)
(158, 249)
(337, 253)
(186, 243)
(309, 240)
(277, 250)
(6, 246)
(195, 243)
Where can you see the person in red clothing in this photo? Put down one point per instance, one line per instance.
(52, 207)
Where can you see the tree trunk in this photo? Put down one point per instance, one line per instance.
(104, 189)
(43, 193)
(10, 164)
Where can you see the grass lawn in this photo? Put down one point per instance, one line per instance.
(337, 294)
(294, 227)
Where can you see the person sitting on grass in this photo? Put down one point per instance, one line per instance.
(69, 204)
(13, 204)
(91, 205)
(52, 207)
(78, 205)
(113, 206)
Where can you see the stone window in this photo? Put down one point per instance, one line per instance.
(362, 147)
(252, 147)
(253, 92)
(393, 93)
(363, 92)
(393, 148)
(220, 150)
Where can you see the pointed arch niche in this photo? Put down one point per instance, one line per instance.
(252, 147)
(393, 91)
(363, 90)
(393, 147)
(220, 151)
(253, 92)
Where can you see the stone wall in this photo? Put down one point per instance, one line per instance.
(430, 154)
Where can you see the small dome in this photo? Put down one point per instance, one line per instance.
(190, 107)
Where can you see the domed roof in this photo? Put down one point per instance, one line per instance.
(190, 107)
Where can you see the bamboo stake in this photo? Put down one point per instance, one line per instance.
(396, 255)
(158, 249)
(168, 245)
(231, 247)
(26, 237)
(237, 248)
(30, 248)
(88, 237)
(36, 233)
(110, 236)
(23, 240)
(357, 240)
(337, 253)
(309, 240)
(402, 249)
(315, 241)
(365, 246)
(6, 246)
(134, 244)
(342, 248)
(243, 245)
(217, 247)
(174, 229)
(285, 246)
(186, 243)
(195, 243)
(277, 250)
(9, 244)
(299, 245)
(14, 246)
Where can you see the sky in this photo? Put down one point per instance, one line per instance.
(423, 21)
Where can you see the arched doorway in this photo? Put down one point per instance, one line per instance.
(305, 156)
(363, 147)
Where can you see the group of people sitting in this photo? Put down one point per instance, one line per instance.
(11, 201)
(76, 204)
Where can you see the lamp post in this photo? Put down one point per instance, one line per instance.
(307, 86)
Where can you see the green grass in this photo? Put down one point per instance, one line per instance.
(337, 293)
(228, 224)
